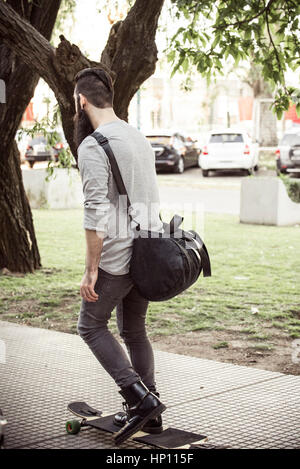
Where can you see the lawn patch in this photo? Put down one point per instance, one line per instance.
(253, 292)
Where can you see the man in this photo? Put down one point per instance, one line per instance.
(107, 283)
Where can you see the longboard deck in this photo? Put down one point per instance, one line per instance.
(170, 438)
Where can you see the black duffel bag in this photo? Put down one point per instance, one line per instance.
(163, 264)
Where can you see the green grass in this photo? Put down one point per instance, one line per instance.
(221, 345)
(252, 267)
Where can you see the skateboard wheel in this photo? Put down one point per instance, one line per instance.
(73, 427)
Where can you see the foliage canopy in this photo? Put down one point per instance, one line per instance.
(266, 32)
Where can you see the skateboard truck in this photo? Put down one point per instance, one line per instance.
(3, 423)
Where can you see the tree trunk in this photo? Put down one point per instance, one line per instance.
(264, 119)
(18, 246)
(267, 122)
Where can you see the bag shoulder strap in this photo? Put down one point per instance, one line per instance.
(103, 141)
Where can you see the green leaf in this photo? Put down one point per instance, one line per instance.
(216, 41)
(171, 55)
(185, 65)
(248, 33)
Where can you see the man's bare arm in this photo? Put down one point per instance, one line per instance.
(94, 244)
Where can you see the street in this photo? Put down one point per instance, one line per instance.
(219, 193)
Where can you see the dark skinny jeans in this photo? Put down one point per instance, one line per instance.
(131, 308)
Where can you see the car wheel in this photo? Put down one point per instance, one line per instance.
(199, 161)
(256, 167)
(180, 166)
(31, 164)
(249, 172)
(205, 173)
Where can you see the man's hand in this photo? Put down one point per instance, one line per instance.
(94, 243)
(87, 286)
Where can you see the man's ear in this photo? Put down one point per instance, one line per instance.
(82, 101)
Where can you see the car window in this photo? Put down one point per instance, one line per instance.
(290, 140)
(177, 142)
(38, 140)
(226, 138)
(163, 140)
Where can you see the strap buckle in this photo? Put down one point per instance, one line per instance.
(101, 139)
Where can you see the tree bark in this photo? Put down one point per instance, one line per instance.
(18, 245)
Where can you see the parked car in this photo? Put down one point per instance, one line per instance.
(38, 148)
(229, 150)
(22, 143)
(288, 152)
(173, 151)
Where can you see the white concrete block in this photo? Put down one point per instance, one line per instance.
(265, 201)
(63, 190)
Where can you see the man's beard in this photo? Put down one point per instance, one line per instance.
(82, 127)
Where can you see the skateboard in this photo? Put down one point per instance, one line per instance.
(169, 438)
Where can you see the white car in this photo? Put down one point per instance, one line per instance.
(229, 150)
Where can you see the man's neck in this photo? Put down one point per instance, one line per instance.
(102, 116)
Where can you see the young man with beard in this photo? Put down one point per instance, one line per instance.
(106, 282)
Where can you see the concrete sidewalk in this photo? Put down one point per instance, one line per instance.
(235, 406)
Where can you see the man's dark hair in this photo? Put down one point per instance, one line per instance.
(97, 86)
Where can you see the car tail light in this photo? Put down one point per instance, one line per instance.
(205, 150)
(29, 147)
(277, 153)
(246, 150)
(58, 146)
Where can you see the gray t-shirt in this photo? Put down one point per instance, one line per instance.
(104, 209)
